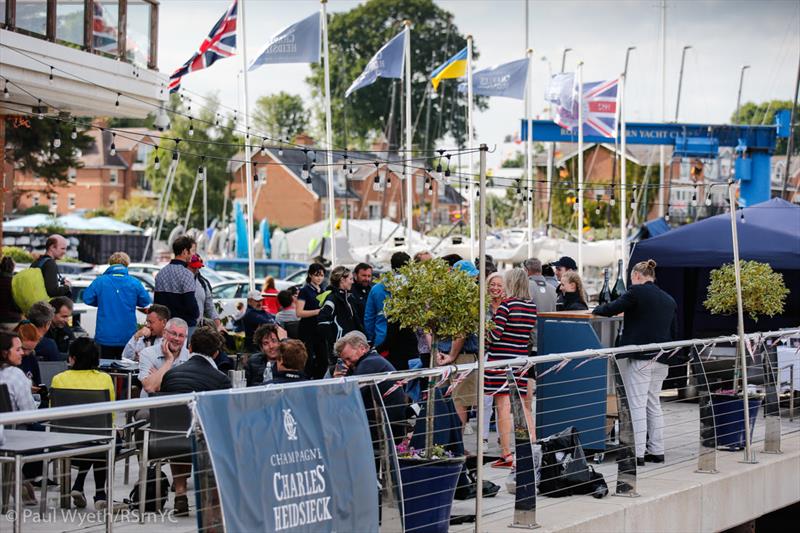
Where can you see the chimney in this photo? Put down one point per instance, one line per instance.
(304, 139)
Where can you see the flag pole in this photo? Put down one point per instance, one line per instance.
(528, 151)
(470, 132)
(205, 206)
(251, 262)
(408, 175)
(580, 168)
(329, 132)
(623, 178)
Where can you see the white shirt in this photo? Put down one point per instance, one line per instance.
(152, 358)
(135, 347)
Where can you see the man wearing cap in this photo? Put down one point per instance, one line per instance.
(253, 317)
(202, 292)
(564, 264)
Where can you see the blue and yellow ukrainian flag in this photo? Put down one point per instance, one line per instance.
(455, 67)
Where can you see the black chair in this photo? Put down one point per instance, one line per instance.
(5, 399)
(49, 369)
(102, 424)
(164, 440)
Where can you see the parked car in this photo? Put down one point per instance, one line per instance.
(277, 268)
(230, 296)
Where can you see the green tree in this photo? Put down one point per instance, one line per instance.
(764, 113)
(515, 161)
(354, 38)
(281, 116)
(763, 290)
(31, 147)
(208, 146)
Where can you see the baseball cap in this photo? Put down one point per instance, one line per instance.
(566, 262)
(196, 261)
(466, 266)
(255, 295)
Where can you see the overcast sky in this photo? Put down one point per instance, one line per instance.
(724, 35)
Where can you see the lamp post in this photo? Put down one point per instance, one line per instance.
(680, 81)
(739, 94)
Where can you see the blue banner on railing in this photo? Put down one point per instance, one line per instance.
(296, 459)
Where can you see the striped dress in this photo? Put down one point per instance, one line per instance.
(514, 321)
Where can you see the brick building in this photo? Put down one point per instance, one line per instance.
(101, 182)
(282, 195)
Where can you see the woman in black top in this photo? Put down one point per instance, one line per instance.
(650, 317)
(573, 295)
(308, 308)
(338, 315)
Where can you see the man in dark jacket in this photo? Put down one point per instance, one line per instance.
(254, 316)
(175, 284)
(261, 366)
(362, 284)
(650, 317)
(197, 374)
(60, 330)
(55, 247)
(353, 349)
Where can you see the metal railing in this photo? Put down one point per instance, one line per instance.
(402, 506)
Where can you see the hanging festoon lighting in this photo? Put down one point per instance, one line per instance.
(112, 150)
(50, 80)
(633, 198)
(74, 133)
(447, 170)
(6, 92)
(116, 103)
(191, 127)
(280, 148)
(156, 162)
(376, 182)
(612, 201)
(57, 138)
(694, 196)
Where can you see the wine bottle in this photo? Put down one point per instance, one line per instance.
(619, 286)
(605, 292)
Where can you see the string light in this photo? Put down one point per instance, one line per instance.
(216, 122)
(280, 148)
(694, 196)
(116, 104)
(633, 198)
(50, 79)
(708, 197)
(304, 174)
(376, 182)
(613, 200)
(447, 171)
(57, 139)
(157, 162)
(113, 148)
(39, 115)
(74, 134)
(6, 94)
(191, 127)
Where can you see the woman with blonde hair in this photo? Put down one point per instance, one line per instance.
(510, 338)
(496, 291)
(650, 317)
(574, 296)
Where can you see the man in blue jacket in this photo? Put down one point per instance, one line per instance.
(375, 324)
(116, 294)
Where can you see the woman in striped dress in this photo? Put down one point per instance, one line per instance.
(510, 338)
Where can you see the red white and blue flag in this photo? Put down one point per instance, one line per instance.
(220, 43)
(599, 105)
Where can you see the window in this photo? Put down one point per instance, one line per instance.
(374, 211)
(138, 32)
(71, 175)
(69, 22)
(71, 201)
(35, 199)
(106, 21)
(32, 16)
(53, 202)
(113, 177)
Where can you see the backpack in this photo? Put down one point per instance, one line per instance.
(150, 503)
(564, 470)
(27, 287)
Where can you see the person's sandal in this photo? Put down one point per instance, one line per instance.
(507, 461)
(181, 506)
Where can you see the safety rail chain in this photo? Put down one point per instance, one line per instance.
(526, 459)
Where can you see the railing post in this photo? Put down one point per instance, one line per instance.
(391, 489)
(525, 474)
(707, 456)
(772, 406)
(626, 456)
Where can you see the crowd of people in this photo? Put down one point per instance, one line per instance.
(334, 325)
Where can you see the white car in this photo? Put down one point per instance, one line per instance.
(230, 297)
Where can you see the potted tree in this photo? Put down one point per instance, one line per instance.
(431, 297)
(763, 294)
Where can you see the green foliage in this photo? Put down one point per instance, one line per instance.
(354, 38)
(281, 116)
(37, 210)
(516, 161)
(763, 290)
(764, 113)
(99, 212)
(216, 160)
(146, 122)
(19, 255)
(431, 297)
(29, 144)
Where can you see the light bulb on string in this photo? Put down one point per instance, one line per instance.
(263, 146)
(376, 181)
(216, 122)
(191, 127)
(612, 200)
(57, 138)
(39, 115)
(280, 148)
(6, 93)
(694, 197)
(112, 150)
(666, 211)
(344, 162)
(447, 171)
(708, 197)
(156, 163)
(116, 104)
(308, 178)
(304, 173)
(50, 78)
(74, 133)
(633, 198)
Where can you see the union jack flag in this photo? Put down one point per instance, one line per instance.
(220, 43)
(599, 105)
